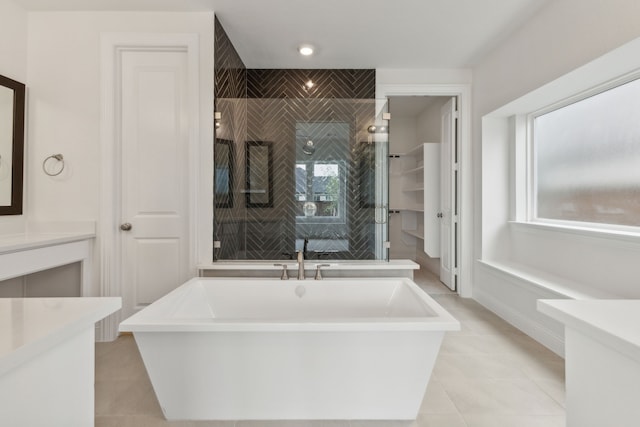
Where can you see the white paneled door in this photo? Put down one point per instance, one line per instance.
(448, 217)
(154, 188)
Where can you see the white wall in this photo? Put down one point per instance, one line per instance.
(402, 133)
(64, 81)
(429, 122)
(430, 76)
(13, 64)
(13, 33)
(564, 35)
(64, 99)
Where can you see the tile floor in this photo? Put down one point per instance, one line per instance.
(489, 374)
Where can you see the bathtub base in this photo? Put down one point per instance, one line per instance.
(289, 375)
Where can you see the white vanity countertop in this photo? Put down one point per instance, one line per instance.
(24, 241)
(30, 326)
(615, 323)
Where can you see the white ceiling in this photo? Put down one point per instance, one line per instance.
(346, 33)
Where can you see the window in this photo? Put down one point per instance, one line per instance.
(318, 190)
(587, 159)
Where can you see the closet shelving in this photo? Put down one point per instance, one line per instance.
(419, 199)
(412, 184)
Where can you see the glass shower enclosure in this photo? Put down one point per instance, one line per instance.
(305, 175)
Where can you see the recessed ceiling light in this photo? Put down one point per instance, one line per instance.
(306, 50)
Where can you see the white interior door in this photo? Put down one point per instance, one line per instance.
(431, 184)
(447, 194)
(153, 146)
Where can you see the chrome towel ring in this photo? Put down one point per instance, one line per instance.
(60, 161)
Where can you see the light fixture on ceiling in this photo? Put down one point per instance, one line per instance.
(305, 50)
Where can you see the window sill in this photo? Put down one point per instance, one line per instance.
(582, 231)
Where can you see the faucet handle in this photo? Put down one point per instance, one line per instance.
(284, 276)
(318, 275)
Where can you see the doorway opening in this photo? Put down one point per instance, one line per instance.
(423, 181)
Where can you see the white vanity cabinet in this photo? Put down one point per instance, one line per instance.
(47, 369)
(47, 344)
(602, 360)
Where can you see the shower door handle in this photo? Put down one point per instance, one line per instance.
(384, 213)
(126, 226)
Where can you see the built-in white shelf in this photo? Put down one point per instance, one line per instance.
(336, 268)
(311, 265)
(420, 196)
(414, 152)
(410, 189)
(414, 170)
(415, 233)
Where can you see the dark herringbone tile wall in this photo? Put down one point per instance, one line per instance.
(327, 84)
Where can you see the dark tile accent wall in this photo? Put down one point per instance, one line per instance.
(344, 84)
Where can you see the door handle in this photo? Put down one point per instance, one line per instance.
(439, 215)
(384, 214)
(126, 226)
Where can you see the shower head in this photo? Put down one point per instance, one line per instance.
(308, 148)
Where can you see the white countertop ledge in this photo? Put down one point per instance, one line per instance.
(614, 323)
(25, 241)
(396, 264)
(31, 326)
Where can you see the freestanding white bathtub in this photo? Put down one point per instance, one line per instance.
(241, 349)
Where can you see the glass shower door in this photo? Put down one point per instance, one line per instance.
(341, 183)
(381, 216)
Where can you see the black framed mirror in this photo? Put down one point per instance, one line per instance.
(224, 155)
(12, 103)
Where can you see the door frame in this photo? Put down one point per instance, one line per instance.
(112, 45)
(464, 239)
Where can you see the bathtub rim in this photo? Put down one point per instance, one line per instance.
(441, 321)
